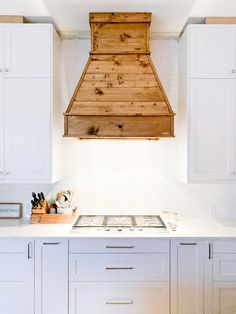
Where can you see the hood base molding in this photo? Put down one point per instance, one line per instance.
(119, 94)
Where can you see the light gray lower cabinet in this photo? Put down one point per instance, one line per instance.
(16, 276)
(127, 276)
(224, 276)
(51, 276)
(191, 266)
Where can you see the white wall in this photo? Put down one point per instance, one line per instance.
(127, 176)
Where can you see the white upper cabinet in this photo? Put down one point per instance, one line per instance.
(211, 129)
(1, 129)
(207, 98)
(27, 129)
(27, 50)
(30, 115)
(212, 51)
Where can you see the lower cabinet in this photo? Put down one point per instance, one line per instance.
(51, 276)
(16, 277)
(224, 277)
(187, 273)
(118, 276)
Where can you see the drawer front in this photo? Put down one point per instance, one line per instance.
(119, 267)
(118, 245)
(12, 246)
(224, 267)
(224, 246)
(119, 298)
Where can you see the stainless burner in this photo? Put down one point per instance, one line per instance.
(120, 222)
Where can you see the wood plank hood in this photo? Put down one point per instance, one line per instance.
(119, 94)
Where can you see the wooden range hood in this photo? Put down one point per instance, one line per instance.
(119, 94)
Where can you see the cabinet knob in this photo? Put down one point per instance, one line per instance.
(7, 70)
(233, 173)
(2, 173)
(233, 71)
(7, 173)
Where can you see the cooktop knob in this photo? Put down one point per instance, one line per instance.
(119, 229)
(107, 229)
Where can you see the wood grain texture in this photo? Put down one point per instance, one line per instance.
(119, 126)
(119, 94)
(120, 17)
(119, 108)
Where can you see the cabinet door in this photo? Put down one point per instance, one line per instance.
(212, 130)
(119, 298)
(224, 298)
(212, 51)
(1, 51)
(187, 277)
(27, 129)
(51, 276)
(28, 50)
(2, 169)
(16, 277)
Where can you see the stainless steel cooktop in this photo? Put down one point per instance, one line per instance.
(119, 223)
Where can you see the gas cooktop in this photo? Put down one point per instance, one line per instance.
(119, 223)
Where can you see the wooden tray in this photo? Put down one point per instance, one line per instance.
(52, 218)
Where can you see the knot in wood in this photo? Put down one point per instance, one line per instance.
(124, 36)
(93, 130)
(98, 91)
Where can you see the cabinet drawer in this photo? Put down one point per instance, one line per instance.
(12, 246)
(118, 245)
(224, 246)
(224, 267)
(119, 298)
(119, 267)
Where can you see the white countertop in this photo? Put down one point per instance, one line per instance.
(186, 228)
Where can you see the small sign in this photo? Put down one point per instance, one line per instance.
(10, 210)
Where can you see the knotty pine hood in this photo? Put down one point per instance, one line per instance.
(119, 94)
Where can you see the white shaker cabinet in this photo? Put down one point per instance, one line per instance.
(16, 277)
(212, 51)
(27, 144)
(2, 167)
(212, 129)
(187, 275)
(207, 102)
(51, 276)
(224, 277)
(31, 121)
(27, 50)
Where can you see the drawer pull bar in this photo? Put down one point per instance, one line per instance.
(30, 255)
(120, 247)
(51, 243)
(120, 268)
(125, 302)
(188, 243)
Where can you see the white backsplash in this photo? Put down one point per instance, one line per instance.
(121, 176)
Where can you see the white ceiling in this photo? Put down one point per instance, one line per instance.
(72, 15)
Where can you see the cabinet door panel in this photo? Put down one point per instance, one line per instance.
(27, 50)
(27, 129)
(17, 282)
(212, 51)
(187, 277)
(1, 51)
(117, 298)
(2, 140)
(211, 129)
(224, 298)
(51, 281)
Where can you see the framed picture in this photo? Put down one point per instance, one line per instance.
(10, 210)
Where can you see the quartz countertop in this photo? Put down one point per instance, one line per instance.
(187, 227)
